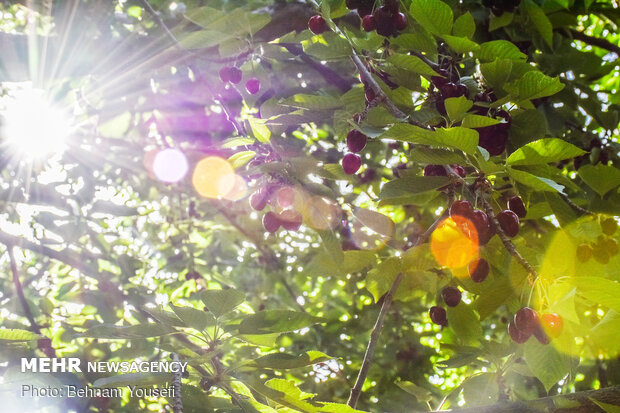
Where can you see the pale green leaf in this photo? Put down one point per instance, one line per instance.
(536, 182)
(276, 321)
(411, 64)
(465, 323)
(535, 84)
(416, 391)
(464, 26)
(477, 121)
(546, 362)
(499, 49)
(460, 44)
(238, 159)
(14, 334)
(220, 302)
(457, 107)
(434, 15)
(601, 178)
(544, 151)
(194, 318)
(260, 130)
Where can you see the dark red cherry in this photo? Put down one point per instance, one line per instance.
(364, 10)
(441, 80)
(478, 270)
(462, 208)
(509, 222)
(356, 141)
(392, 5)
(258, 201)
(252, 86)
(224, 74)
(460, 171)
(317, 24)
(368, 23)
(235, 75)
(517, 335)
(526, 320)
(449, 90)
(351, 163)
(516, 205)
(481, 222)
(451, 296)
(353, 4)
(368, 175)
(400, 21)
(290, 220)
(370, 94)
(462, 90)
(271, 222)
(438, 315)
(383, 21)
(541, 335)
(435, 170)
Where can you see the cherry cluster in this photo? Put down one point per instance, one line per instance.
(448, 85)
(527, 322)
(605, 246)
(232, 74)
(356, 142)
(387, 20)
(499, 7)
(278, 197)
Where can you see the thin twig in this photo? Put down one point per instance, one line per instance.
(575, 206)
(595, 41)
(356, 391)
(177, 401)
(20, 291)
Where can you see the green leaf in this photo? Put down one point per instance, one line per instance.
(496, 73)
(459, 138)
(313, 102)
(544, 151)
(540, 20)
(464, 26)
(380, 278)
(465, 323)
(276, 321)
(608, 408)
(111, 331)
(536, 182)
(221, 302)
(499, 49)
(460, 44)
(14, 334)
(409, 133)
(337, 408)
(412, 184)
(260, 130)
(497, 22)
(601, 178)
(411, 64)
(457, 107)
(238, 159)
(131, 379)
(416, 391)
(285, 393)
(289, 361)
(434, 15)
(535, 84)
(194, 318)
(598, 290)
(328, 46)
(546, 363)
(235, 142)
(426, 155)
(477, 121)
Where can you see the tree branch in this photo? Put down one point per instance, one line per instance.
(575, 206)
(177, 401)
(20, 291)
(356, 391)
(595, 41)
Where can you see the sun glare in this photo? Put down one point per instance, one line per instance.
(33, 127)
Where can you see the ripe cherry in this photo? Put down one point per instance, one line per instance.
(516, 205)
(451, 296)
(317, 24)
(478, 270)
(526, 320)
(271, 222)
(290, 220)
(440, 80)
(517, 335)
(509, 222)
(370, 94)
(541, 335)
(462, 90)
(435, 170)
(481, 222)
(193, 275)
(234, 75)
(400, 21)
(462, 208)
(383, 21)
(552, 324)
(224, 74)
(368, 175)
(285, 196)
(460, 171)
(252, 86)
(351, 163)
(392, 5)
(368, 23)
(258, 201)
(449, 90)
(356, 141)
(438, 315)
(584, 252)
(353, 4)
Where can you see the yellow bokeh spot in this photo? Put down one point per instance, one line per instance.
(238, 191)
(454, 242)
(214, 177)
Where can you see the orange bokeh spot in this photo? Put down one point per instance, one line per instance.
(214, 177)
(454, 242)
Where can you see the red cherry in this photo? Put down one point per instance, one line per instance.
(368, 175)
(252, 86)
(451, 296)
(449, 90)
(391, 5)
(478, 270)
(383, 21)
(364, 10)
(368, 23)
(271, 222)
(526, 320)
(460, 171)
(370, 94)
(234, 75)
(438, 316)
(481, 222)
(291, 220)
(552, 324)
(351, 163)
(317, 24)
(400, 21)
(462, 90)
(224, 74)
(285, 196)
(440, 80)
(353, 4)
(258, 201)
(509, 222)
(462, 208)
(356, 141)
(541, 335)
(517, 335)
(435, 170)
(516, 205)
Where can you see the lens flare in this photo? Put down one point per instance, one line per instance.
(454, 242)
(370, 229)
(238, 191)
(32, 126)
(214, 177)
(321, 213)
(170, 165)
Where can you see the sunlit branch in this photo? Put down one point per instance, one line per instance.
(177, 401)
(595, 41)
(20, 290)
